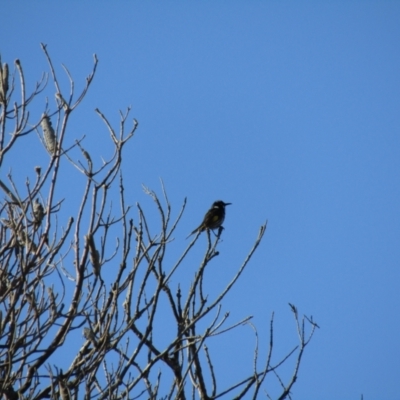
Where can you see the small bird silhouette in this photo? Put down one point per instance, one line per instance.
(214, 217)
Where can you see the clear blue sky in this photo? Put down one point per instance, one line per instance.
(289, 110)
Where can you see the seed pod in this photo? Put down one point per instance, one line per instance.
(2, 92)
(5, 79)
(38, 212)
(93, 254)
(65, 393)
(52, 300)
(48, 134)
(25, 240)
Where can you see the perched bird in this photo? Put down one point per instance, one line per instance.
(214, 217)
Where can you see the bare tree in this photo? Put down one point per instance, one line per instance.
(67, 331)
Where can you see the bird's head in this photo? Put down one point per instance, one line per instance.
(220, 204)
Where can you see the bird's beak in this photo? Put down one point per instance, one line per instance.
(227, 204)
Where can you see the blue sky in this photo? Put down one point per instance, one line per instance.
(289, 110)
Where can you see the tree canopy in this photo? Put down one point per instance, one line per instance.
(67, 331)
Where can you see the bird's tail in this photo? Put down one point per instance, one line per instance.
(187, 237)
(196, 230)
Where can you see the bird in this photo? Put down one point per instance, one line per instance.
(214, 217)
